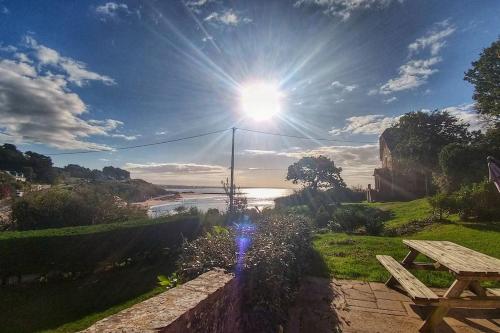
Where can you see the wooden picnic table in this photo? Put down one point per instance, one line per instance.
(469, 267)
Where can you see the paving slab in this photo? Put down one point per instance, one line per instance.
(331, 306)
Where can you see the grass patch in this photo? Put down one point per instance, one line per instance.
(70, 306)
(87, 229)
(353, 257)
(404, 212)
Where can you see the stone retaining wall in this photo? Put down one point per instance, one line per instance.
(209, 303)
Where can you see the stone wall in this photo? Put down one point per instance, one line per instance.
(209, 303)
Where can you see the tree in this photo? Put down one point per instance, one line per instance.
(485, 76)
(42, 167)
(422, 135)
(460, 165)
(316, 172)
(11, 159)
(116, 173)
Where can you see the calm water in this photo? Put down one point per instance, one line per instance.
(205, 198)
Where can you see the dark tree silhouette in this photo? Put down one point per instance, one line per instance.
(316, 172)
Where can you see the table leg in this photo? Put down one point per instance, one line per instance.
(476, 288)
(438, 313)
(410, 257)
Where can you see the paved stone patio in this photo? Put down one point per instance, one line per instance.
(325, 306)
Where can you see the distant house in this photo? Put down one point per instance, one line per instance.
(17, 175)
(392, 181)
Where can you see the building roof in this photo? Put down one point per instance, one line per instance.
(390, 137)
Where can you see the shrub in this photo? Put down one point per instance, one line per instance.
(374, 226)
(268, 257)
(311, 198)
(57, 207)
(352, 217)
(480, 201)
(442, 204)
(322, 217)
(89, 248)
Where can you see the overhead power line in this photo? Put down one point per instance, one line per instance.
(202, 135)
(301, 137)
(140, 146)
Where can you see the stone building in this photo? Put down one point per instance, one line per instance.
(392, 181)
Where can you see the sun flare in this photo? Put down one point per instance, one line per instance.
(260, 100)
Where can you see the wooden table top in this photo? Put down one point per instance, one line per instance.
(458, 259)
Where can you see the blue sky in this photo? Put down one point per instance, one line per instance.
(78, 75)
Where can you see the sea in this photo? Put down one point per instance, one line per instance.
(214, 197)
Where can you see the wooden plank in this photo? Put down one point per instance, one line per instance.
(494, 291)
(473, 302)
(458, 259)
(477, 289)
(425, 266)
(408, 260)
(416, 289)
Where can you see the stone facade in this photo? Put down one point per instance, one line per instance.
(392, 182)
(209, 303)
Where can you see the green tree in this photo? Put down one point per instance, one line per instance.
(422, 135)
(461, 164)
(316, 172)
(485, 76)
(42, 167)
(116, 173)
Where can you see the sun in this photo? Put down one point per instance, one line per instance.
(260, 100)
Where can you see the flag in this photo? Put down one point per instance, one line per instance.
(494, 168)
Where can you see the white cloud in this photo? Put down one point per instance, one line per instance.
(178, 173)
(112, 10)
(434, 39)
(413, 74)
(161, 132)
(340, 100)
(38, 106)
(175, 168)
(373, 124)
(76, 71)
(4, 10)
(390, 100)
(467, 114)
(416, 72)
(343, 8)
(125, 137)
(227, 17)
(260, 152)
(343, 87)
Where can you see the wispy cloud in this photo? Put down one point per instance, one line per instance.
(467, 114)
(373, 124)
(37, 104)
(228, 17)
(343, 8)
(390, 100)
(175, 168)
(416, 72)
(434, 40)
(260, 152)
(111, 10)
(4, 10)
(178, 173)
(338, 86)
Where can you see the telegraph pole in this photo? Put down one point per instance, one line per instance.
(231, 189)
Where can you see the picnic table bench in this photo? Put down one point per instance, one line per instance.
(468, 267)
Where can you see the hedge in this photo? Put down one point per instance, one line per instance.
(87, 249)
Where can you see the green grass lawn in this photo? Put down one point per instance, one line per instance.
(353, 257)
